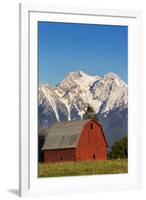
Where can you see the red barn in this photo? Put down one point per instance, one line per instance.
(75, 141)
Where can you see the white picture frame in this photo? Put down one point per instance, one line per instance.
(30, 184)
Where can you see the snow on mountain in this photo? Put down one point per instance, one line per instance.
(50, 108)
(69, 99)
(77, 78)
(110, 92)
(74, 91)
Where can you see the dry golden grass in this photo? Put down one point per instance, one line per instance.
(82, 168)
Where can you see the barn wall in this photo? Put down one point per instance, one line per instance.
(91, 145)
(59, 155)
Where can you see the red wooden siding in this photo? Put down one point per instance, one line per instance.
(92, 145)
(59, 155)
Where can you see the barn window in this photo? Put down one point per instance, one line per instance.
(61, 158)
(91, 126)
(94, 156)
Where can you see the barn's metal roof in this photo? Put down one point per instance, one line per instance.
(64, 135)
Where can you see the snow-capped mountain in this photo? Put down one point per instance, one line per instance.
(68, 100)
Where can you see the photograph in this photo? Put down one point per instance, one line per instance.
(82, 99)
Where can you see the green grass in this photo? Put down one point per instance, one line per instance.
(82, 168)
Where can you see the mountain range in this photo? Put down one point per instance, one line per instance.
(68, 100)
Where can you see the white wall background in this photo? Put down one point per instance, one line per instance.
(9, 96)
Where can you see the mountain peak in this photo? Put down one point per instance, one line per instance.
(111, 75)
(78, 80)
(80, 75)
(114, 77)
(77, 74)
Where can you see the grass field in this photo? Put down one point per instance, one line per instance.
(82, 168)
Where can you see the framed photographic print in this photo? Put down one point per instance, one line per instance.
(80, 100)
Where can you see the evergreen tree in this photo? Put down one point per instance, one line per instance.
(90, 114)
(41, 140)
(119, 149)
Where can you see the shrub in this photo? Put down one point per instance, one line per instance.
(119, 149)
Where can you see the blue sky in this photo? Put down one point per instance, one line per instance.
(93, 49)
